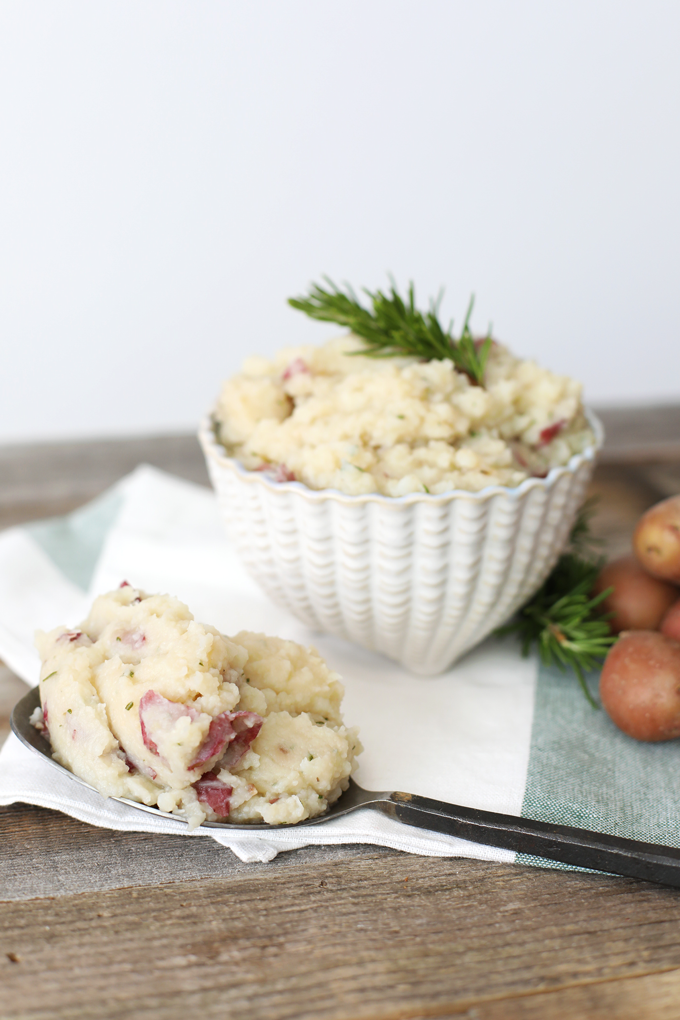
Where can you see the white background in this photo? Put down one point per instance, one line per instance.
(172, 170)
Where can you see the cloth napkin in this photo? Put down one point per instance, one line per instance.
(494, 732)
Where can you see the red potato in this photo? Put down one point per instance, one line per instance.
(670, 625)
(640, 685)
(656, 541)
(638, 602)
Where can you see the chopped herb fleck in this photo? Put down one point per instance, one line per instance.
(320, 722)
(70, 711)
(200, 663)
(426, 488)
(131, 673)
(310, 757)
(49, 677)
(119, 639)
(402, 416)
(129, 706)
(320, 796)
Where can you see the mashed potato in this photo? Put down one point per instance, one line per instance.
(398, 425)
(143, 702)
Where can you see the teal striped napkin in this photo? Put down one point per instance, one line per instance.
(495, 732)
(585, 772)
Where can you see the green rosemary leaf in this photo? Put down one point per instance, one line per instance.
(394, 327)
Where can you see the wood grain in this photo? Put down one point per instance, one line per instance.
(377, 937)
(45, 854)
(653, 995)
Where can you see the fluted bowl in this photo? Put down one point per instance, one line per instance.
(421, 578)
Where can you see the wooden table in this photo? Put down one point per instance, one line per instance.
(99, 924)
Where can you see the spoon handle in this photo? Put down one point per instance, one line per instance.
(579, 847)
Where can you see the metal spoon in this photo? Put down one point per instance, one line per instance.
(579, 847)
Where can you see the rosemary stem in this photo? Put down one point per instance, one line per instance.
(584, 686)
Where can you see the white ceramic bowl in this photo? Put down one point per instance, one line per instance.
(421, 578)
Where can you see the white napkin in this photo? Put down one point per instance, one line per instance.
(463, 737)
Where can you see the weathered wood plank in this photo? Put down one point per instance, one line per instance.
(651, 997)
(45, 853)
(640, 435)
(387, 937)
(78, 470)
(48, 479)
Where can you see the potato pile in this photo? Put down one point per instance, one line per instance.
(640, 681)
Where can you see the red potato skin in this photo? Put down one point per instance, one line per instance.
(639, 601)
(640, 685)
(656, 540)
(670, 625)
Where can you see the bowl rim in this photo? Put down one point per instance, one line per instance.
(214, 449)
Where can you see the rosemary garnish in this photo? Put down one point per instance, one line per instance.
(562, 617)
(395, 328)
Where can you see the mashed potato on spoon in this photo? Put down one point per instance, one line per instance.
(143, 702)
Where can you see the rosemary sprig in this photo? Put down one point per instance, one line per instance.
(561, 619)
(394, 327)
